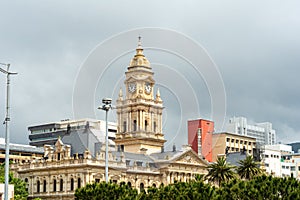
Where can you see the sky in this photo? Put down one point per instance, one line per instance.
(253, 48)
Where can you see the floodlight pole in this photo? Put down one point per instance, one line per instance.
(6, 122)
(106, 106)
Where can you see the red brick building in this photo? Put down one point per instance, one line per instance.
(200, 137)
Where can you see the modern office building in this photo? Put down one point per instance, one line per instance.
(200, 133)
(49, 132)
(223, 143)
(139, 158)
(263, 132)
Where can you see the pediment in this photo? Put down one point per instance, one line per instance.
(189, 157)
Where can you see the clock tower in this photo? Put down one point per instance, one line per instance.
(139, 111)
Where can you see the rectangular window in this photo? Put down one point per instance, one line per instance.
(138, 163)
(227, 139)
(127, 162)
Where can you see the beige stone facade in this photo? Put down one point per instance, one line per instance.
(233, 143)
(139, 159)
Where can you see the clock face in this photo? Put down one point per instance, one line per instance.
(148, 88)
(131, 87)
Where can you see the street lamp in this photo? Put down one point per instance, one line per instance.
(6, 122)
(106, 106)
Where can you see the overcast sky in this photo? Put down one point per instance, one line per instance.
(254, 44)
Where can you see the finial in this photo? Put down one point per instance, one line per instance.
(158, 95)
(121, 94)
(139, 42)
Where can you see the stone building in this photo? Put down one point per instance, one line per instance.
(138, 158)
(225, 142)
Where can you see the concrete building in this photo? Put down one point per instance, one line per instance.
(200, 133)
(274, 161)
(138, 158)
(263, 132)
(223, 143)
(20, 152)
(49, 132)
(10, 191)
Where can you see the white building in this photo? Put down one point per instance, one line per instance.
(10, 191)
(263, 132)
(274, 161)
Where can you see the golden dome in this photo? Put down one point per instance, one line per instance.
(139, 60)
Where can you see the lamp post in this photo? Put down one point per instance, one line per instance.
(106, 106)
(6, 122)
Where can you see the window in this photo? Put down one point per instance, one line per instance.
(129, 184)
(142, 187)
(249, 143)
(124, 126)
(146, 125)
(138, 163)
(298, 168)
(154, 185)
(267, 156)
(38, 183)
(134, 125)
(97, 180)
(61, 185)
(58, 156)
(227, 139)
(78, 182)
(127, 162)
(232, 140)
(72, 184)
(267, 164)
(45, 186)
(241, 142)
(237, 141)
(293, 168)
(154, 125)
(54, 185)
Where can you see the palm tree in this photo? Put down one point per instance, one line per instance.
(248, 168)
(220, 171)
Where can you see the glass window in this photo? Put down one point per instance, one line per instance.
(54, 185)
(134, 125)
(38, 183)
(45, 186)
(72, 184)
(61, 185)
(79, 183)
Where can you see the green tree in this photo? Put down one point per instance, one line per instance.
(248, 168)
(20, 190)
(220, 171)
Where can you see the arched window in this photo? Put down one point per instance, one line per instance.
(154, 185)
(146, 125)
(134, 125)
(45, 186)
(129, 184)
(72, 184)
(124, 126)
(38, 184)
(54, 185)
(142, 188)
(78, 182)
(61, 185)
